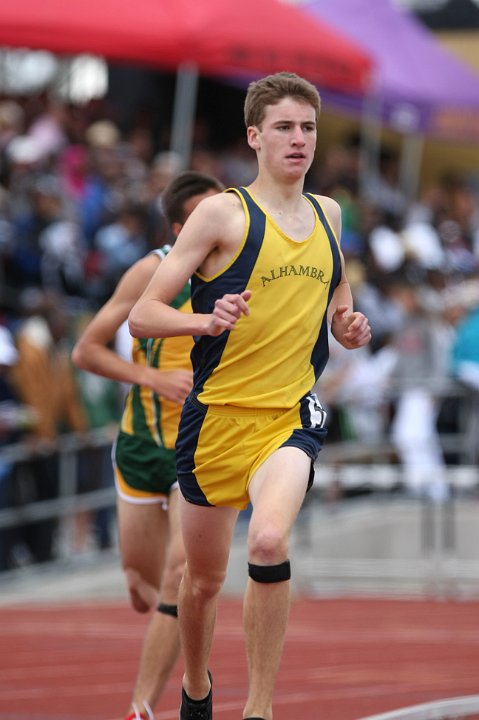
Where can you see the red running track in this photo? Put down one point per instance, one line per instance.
(344, 659)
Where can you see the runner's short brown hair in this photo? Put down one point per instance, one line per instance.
(273, 88)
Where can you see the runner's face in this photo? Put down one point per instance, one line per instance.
(286, 141)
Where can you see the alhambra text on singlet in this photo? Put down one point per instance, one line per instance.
(286, 270)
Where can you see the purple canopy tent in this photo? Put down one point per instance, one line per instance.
(421, 86)
(418, 88)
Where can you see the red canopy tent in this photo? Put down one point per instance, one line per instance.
(211, 37)
(217, 37)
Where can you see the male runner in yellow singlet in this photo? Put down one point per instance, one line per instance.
(268, 275)
(144, 459)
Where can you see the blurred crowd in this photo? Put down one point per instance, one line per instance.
(80, 201)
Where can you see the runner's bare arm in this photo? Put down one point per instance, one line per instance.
(211, 230)
(349, 327)
(93, 353)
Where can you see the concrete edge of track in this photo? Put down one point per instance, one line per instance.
(460, 707)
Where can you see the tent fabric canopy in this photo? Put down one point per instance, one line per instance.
(218, 37)
(418, 85)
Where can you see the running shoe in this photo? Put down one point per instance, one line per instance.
(137, 715)
(197, 709)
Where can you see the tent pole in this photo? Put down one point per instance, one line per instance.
(410, 165)
(184, 112)
(3, 71)
(370, 142)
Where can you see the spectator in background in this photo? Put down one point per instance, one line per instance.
(23, 168)
(48, 249)
(11, 124)
(442, 229)
(382, 187)
(385, 253)
(102, 195)
(10, 431)
(102, 402)
(119, 245)
(44, 381)
(465, 360)
(237, 166)
(372, 299)
(72, 170)
(356, 386)
(356, 391)
(338, 177)
(465, 349)
(165, 166)
(6, 246)
(48, 129)
(419, 378)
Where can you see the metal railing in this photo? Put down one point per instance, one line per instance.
(359, 466)
(67, 448)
